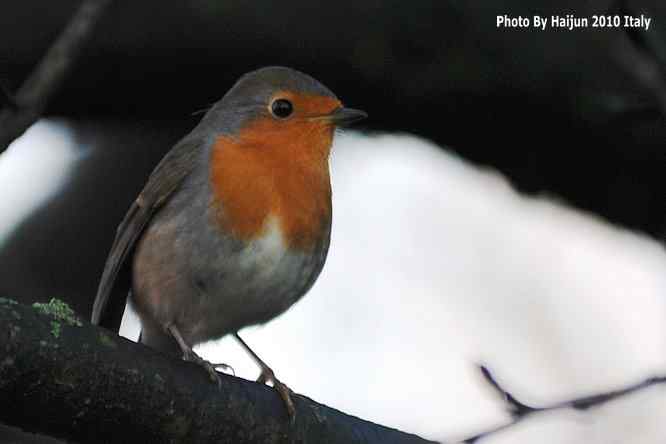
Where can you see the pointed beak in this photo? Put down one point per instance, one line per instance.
(345, 116)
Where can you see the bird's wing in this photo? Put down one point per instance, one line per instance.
(164, 180)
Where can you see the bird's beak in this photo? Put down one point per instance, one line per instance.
(344, 116)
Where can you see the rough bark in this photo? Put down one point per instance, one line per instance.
(65, 378)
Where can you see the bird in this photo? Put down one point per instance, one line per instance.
(233, 225)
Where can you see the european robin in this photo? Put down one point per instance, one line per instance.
(233, 225)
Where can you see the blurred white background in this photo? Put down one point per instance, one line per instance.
(437, 265)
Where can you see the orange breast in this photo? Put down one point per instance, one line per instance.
(277, 169)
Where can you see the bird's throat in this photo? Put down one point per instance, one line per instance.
(290, 183)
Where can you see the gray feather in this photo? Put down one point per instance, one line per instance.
(164, 180)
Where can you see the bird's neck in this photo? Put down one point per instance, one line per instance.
(286, 179)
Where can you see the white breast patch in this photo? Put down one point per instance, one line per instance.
(266, 251)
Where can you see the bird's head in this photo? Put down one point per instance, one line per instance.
(282, 109)
(274, 131)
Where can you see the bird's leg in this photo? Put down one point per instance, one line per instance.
(191, 356)
(267, 375)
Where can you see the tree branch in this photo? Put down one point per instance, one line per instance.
(520, 411)
(32, 97)
(94, 386)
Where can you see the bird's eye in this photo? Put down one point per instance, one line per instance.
(282, 108)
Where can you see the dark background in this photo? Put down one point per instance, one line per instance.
(576, 114)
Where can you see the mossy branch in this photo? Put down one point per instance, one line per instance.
(85, 384)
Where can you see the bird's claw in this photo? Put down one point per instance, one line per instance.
(225, 368)
(191, 356)
(266, 375)
(285, 392)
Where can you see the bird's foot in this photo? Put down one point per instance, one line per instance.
(285, 392)
(224, 367)
(191, 356)
(267, 375)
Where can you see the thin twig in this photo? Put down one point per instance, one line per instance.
(520, 411)
(32, 97)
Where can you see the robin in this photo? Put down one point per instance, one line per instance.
(233, 225)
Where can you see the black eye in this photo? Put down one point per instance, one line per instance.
(282, 108)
